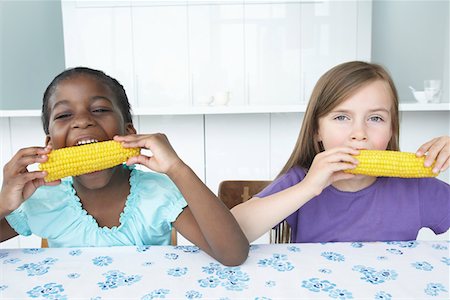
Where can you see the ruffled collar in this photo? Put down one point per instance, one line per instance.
(130, 202)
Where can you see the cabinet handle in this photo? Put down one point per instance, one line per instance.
(192, 89)
(303, 100)
(247, 97)
(136, 89)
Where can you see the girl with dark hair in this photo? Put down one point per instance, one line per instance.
(120, 205)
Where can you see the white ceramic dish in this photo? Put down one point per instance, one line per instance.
(420, 96)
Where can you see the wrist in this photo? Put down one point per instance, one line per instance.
(176, 170)
(308, 189)
(5, 209)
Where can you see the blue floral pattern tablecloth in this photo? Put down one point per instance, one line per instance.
(384, 270)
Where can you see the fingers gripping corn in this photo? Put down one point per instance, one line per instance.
(78, 160)
(391, 164)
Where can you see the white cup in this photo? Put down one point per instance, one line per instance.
(204, 100)
(432, 90)
(221, 98)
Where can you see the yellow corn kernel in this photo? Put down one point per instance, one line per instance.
(391, 164)
(78, 160)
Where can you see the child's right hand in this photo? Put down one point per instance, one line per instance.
(19, 183)
(328, 167)
(163, 159)
(438, 149)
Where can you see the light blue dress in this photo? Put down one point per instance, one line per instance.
(55, 213)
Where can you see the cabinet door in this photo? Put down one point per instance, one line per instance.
(100, 38)
(102, 3)
(5, 149)
(237, 146)
(328, 37)
(216, 52)
(160, 53)
(272, 53)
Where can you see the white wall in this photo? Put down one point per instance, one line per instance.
(34, 46)
(411, 38)
(221, 147)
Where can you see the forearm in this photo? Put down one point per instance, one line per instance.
(258, 215)
(5, 209)
(6, 232)
(3, 213)
(213, 217)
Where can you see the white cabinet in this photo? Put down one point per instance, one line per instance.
(100, 38)
(100, 3)
(289, 46)
(272, 53)
(187, 54)
(186, 135)
(236, 147)
(161, 55)
(216, 54)
(328, 37)
(5, 147)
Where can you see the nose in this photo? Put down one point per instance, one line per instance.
(82, 120)
(359, 132)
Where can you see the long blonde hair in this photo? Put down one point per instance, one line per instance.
(335, 86)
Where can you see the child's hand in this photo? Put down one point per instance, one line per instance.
(163, 158)
(328, 166)
(18, 183)
(438, 149)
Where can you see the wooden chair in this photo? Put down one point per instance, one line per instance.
(234, 192)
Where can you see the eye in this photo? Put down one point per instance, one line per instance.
(62, 116)
(340, 118)
(101, 110)
(376, 119)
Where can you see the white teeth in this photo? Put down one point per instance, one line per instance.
(83, 142)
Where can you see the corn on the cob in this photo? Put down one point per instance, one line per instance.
(391, 164)
(78, 160)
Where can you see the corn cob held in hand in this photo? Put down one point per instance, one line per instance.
(78, 160)
(391, 164)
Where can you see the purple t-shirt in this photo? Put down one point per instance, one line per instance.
(391, 209)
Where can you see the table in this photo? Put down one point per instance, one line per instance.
(382, 270)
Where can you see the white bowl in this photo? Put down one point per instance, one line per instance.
(420, 96)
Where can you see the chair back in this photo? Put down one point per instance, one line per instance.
(234, 192)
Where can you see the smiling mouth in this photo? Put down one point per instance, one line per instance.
(85, 142)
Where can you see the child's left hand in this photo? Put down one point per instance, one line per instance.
(164, 158)
(438, 149)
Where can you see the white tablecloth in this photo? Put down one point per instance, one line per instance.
(391, 270)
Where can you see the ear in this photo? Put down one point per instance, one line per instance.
(48, 141)
(129, 128)
(317, 137)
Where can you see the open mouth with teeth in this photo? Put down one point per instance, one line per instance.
(85, 142)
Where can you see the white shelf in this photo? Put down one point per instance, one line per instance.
(206, 110)
(223, 109)
(424, 106)
(20, 113)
